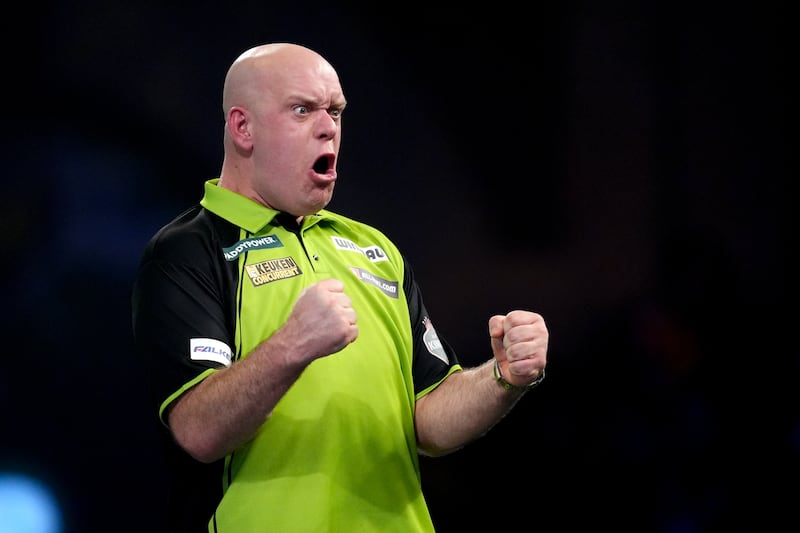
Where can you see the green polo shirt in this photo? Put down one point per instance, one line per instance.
(338, 453)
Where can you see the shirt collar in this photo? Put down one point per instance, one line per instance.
(244, 212)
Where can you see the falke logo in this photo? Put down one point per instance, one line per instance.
(202, 349)
(209, 349)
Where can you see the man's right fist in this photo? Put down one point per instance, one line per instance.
(326, 318)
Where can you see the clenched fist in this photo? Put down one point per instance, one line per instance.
(323, 318)
(519, 343)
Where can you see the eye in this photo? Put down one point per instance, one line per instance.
(336, 113)
(301, 109)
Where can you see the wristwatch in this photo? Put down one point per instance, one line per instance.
(508, 386)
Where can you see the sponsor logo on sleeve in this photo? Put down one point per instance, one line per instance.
(210, 350)
(254, 243)
(374, 252)
(272, 270)
(389, 288)
(432, 342)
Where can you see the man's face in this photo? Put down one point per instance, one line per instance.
(297, 133)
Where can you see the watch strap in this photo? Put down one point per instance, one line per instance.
(508, 386)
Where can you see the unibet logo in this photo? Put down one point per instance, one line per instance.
(374, 252)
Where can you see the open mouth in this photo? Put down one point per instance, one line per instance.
(323, 164)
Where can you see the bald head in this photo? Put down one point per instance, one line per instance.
(283, 105)
(253, 71)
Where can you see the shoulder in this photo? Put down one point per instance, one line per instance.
(188, 237)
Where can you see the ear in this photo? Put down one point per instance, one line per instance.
(238, 125)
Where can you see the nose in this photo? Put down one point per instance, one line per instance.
(327, 126)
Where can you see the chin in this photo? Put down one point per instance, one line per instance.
(320, 203)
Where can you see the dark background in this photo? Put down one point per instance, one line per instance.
(620, 167)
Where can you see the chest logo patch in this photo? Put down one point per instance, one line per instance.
(374, 253)
(272, 270)
(389, 288)
(254, 243)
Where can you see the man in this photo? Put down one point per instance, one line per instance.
(294, 366)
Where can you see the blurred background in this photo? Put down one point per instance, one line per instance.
(620, 167)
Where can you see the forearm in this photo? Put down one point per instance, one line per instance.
(227, 408)
(464, 407)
